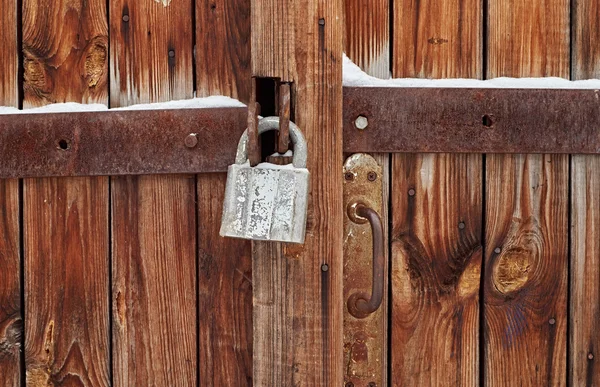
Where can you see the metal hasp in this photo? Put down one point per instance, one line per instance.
(364, 272)
(460, 120)
(268, 202)
(127, 142)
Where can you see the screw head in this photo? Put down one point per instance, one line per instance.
(461, 225)
(361, 122)
(552, 321)
(372, 176)
(171, 53)
(191, 140)
(324, 267)
(349, 176)
(349, 384)
(411, 192)
(497, 250)
(125, 18)
(590, 356)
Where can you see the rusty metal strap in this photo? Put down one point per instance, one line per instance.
(471, 120)
(119, 142)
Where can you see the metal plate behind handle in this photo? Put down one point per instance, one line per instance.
(364, 338)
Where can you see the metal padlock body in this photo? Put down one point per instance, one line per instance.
(267, 202)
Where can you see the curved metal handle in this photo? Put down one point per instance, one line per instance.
(360, 304)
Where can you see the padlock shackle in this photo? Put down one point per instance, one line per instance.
(272, 123)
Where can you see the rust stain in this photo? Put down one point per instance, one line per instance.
(437, 41)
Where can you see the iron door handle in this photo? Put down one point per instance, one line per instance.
(361, 304)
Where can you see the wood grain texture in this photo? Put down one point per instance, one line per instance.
(225, 297)
(585, 271)
(584, 339)
(274, 38)
(295, 301)
(367, 44)
(154, 293)
(526, 270)
(525, 281)
(436, 232)
(65, 49)
(154, 220)
(150, 52)
(11, 322)
(9, 86)
(436, 250)
(66, 281)
(66, 220)
(437, 39)
(223, 48)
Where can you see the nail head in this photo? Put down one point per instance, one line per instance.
(191, 140)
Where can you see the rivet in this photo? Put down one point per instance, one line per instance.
(497, 250)
(411, 192)
(361, 122)
(461, 225)
(552, 321)
(349, 176)
(125, 18)
(372, 176)
(191, 140)
(324, 267)
(171, 53)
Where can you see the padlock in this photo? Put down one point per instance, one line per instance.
(268, 202)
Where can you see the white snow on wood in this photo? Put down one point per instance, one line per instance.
(195, 103)
(354, 76)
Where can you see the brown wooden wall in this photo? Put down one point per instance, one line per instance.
(495, 259)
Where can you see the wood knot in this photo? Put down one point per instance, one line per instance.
(95, 62)
(37, 84)
(437, 41)
(10, 339)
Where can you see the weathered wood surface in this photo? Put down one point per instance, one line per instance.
(11, 315)
(525, 280)
(65, 231)
(154, 294)
(65, 49)
(584, 338)
(65, 220)
(367, 44)
(224, 264)
(296, 302)
(436, 207)
(223, 48)
(225, 296)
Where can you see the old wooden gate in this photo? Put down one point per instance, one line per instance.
(493, 258)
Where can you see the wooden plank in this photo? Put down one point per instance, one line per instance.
(65, 220)
(584, 338)
(436, 207)
(367, 43)
(297, 299)
(225, 265)
(65, 227)
(225, 298)
(154, 226)
(65, 52)
(11, 315)
(525, 280)
(223, 48)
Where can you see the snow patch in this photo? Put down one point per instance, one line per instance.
(354, 76)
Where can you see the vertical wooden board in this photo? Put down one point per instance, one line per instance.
(437, 39)
(525, 279)
(11, 323)
(65, 227)
(585, 271)
(150, 51)
(154, 293)
(65, 52)
(65, 220)
(367, 43)
(297, 300)
(584, 339)
(225, 297)
(436, 250)
(153, 217)
(436, 211)
(223, 48)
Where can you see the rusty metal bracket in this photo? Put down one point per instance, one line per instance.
(460, 120)
(119, 142)
(364, 333)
